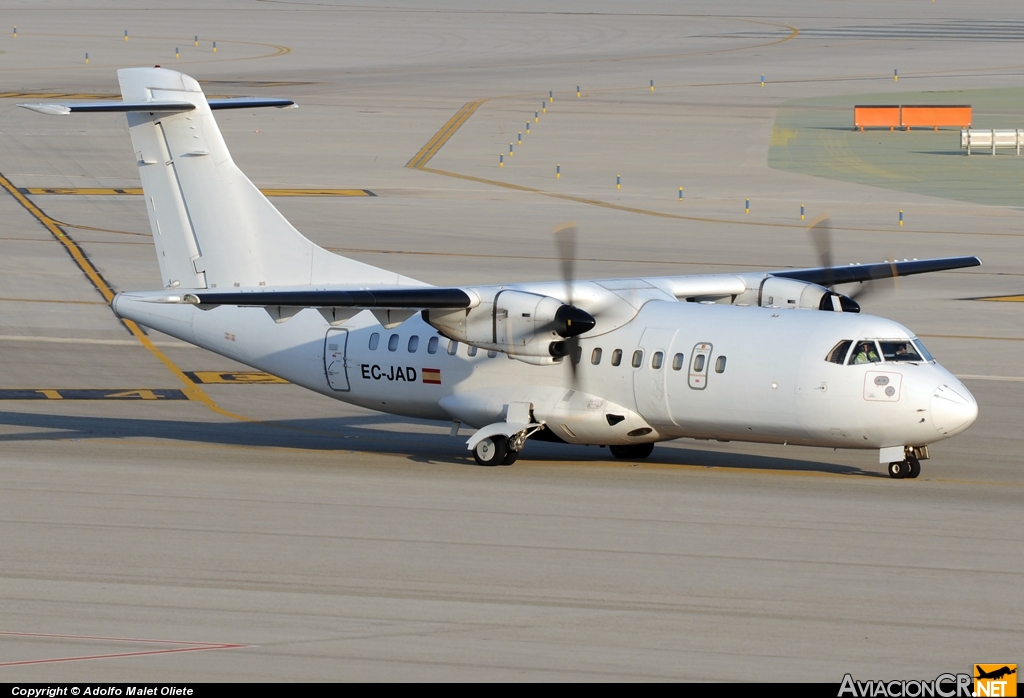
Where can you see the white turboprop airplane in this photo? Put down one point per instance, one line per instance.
(768, 357)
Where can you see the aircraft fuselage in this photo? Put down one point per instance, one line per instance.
(764, 375)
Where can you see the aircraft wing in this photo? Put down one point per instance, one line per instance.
(427, 297)
(830, 276)
(431, 297)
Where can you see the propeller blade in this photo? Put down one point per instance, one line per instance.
(820, 231)
(565, 240)
(873, 287)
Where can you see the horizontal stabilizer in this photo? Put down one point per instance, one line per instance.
(249, 103)
(830, 276)
(155, 106)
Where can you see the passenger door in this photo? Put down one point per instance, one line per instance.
(335, 348)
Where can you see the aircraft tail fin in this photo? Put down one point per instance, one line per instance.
(212, 227)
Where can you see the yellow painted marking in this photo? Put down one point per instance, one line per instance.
(137, 191)
(82, 191)
(51, 394)
(782, 136)
(191, 390)
(235, 377)
(1003, 299)
(420, 159)
(70, 245)
(141, 394)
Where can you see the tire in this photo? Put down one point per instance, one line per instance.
(643, 450)
(899, 469)
(915, 468)
(632, 451)
(510, 457)
(490, 451)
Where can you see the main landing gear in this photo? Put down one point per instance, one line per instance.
(909, 468)
(495, 450)
(632, 451)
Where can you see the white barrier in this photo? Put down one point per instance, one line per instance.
(991, 138)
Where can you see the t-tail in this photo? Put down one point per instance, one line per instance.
(212, 227)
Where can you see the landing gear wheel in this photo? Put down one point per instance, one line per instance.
(632, 451)
(491, 451)
(915, 468)
(510, 456)
(899, 469)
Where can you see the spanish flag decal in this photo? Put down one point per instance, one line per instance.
(431, 375)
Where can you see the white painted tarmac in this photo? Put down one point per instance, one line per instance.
(277, 535)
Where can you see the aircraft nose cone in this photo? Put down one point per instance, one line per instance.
(952, 409)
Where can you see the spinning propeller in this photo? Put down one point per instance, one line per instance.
(577, 321)
(820, 231)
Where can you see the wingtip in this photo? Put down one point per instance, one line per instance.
(49, 109)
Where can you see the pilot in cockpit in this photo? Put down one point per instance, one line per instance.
(866, 354)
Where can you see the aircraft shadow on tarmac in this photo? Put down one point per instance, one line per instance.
(357, 434)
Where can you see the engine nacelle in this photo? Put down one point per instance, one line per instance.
(523, 325)
(780, 292)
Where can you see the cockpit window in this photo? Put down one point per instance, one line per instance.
(902, 350)
(865, 352)
(925, 354)
(839, 352)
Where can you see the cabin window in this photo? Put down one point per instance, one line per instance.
(720, 364)
(865, 352)
(616, 357)
(453, 347)
(374, 341)
(393, 343)
(677, 362)
(901, 350)
(657, 360)
(472, 351)
(432, 345)
(638, 358)
(839, 352)
(491, 354)
(698, 363)
(595, 356)
(414, 343)
(577, 354)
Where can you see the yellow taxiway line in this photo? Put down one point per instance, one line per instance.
(191, 390)
(420, 159)
(1002, 299)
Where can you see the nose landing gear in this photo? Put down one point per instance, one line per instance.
(909, 468)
